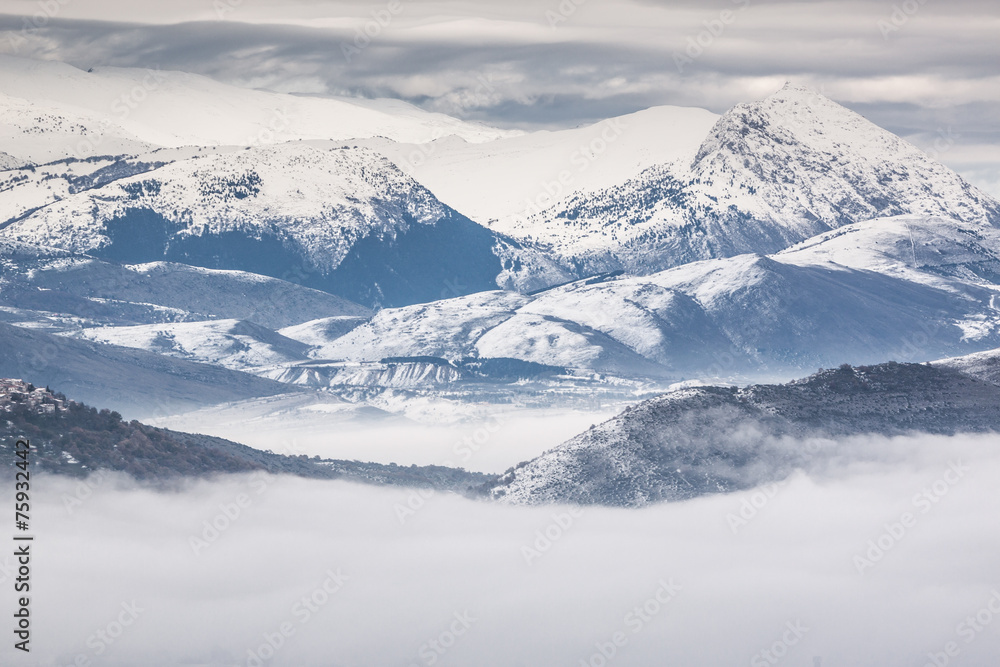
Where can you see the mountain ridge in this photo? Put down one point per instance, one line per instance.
(701, 440)
(344, 220)
(768, 174)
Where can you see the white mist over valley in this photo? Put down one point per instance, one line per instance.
(744, 566)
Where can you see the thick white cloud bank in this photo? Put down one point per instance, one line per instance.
(489, 443)
(339, 574)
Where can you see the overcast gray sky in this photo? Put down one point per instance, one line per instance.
(925, 69)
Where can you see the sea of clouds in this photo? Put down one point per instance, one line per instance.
(878, 560)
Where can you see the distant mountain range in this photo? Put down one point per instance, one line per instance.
(51, 110)
(766, 175)
(908, 288)
(282, 239)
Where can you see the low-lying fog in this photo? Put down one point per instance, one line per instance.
(490, 440)
(868, 564)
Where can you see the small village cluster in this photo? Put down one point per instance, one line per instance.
(14, 393)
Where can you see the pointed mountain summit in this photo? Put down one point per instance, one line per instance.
(799, 158)
(768, 174)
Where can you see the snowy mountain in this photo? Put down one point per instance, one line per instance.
(909, 288)
(59, 290)
(51, 110)
(767, 175)
(344, 220)
(135, 382)
(983, 366)
(786, 234)
(704, 440)
(233, 344)
(9, 161)
(641, 193)
(615, 328)
(507, 179)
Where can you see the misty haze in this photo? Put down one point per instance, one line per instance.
(514, 334)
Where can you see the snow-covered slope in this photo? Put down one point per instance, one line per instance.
(488, 325)
(51, 110)
(421, 375)
(853, 295)
(26, 188)
(983, 366)
(448, 328)
(320, 331)
(35, 278)
(233, 344)
(342, 219)
(510, 178)
(768, 174)
(39, 131)
(135, 382)
(931, 249)
(704, 440)
(8, 161)
(797, 156)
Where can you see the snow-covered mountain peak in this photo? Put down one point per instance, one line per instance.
(324, 197)
(766, 175)
(51, 110)
(799, 157)
(796, 116)
(295, 211)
